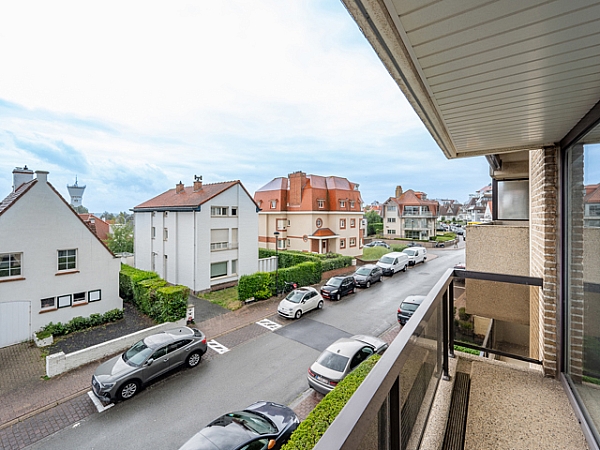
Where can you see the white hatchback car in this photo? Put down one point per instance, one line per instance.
(299, 301)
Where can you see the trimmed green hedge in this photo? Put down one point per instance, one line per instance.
(308, 433)
(152, 295)
(79, 323)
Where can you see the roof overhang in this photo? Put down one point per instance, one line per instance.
(492, 77)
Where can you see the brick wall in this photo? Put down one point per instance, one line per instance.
(543, 179)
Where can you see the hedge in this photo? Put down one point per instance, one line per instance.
(336, 263)
(128, 277)
(79, 323)
(310, 430)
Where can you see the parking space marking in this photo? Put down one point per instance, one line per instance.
(268, 324)
(98, 404)
(220, 349)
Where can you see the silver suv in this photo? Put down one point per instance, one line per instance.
(121, 377)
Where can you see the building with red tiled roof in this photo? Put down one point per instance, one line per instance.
(591, 201)
(97, 225)
(410, 215)
(52, 267)
(310, 213)
(200, 236)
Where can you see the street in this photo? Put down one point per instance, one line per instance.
(271, 367)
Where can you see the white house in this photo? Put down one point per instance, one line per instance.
(198, 236)
(52, 266)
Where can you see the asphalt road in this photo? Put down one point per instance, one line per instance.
(269, 367)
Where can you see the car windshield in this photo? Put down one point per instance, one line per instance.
(387, 260)
(363, 271)
(412, 307)
(333, 361)
(254, 422)
(409, 251)
(137, 354)
(295, 296)
(335, 282)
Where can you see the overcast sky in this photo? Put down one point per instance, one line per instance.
(131, 97)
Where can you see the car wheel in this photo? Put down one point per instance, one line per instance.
(405, 267)
(339, 296)
(298, 314)
(368, 284)
(129, 389)
(320, 305)
(193, 359)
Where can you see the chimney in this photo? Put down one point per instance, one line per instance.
(21, 176)
(197, 183)
(398, 191)
(179, 188)
(41, 175)
(297, 182)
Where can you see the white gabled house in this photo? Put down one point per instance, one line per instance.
(52, 266)
(199, 236)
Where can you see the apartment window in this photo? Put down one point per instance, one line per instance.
(65, 300)
(342, 223)
(234, 264)
(342, 243)
(289, 243)
(219, 239)
(321, 204)
(409, 234)
(411, 210)
(166, 234)
(273, 204)
(281, 224)
(234, 211)
(319, 223)
(94, 296)
(218, 269)
(391, 231)
(352, 204)
(510, 200)
(352, 242)
(391, 220)
(281, 244)
(153, 232)
(342, 203)
(594, 210)
(10, 264)
(48, 303)
(234, 237)
(391, 208)
(218, 211)
(67, 260)
(352, 223)
(79, 297)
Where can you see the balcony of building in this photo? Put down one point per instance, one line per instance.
(424, 395)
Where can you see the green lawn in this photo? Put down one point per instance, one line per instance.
(227, 298)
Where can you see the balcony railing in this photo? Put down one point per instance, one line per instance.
(389, 411)
(214, 246)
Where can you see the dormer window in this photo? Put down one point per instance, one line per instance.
(342, 203)
(273, 204)
(321, 204)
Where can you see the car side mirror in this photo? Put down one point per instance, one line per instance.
(272, 443)
(149, 362)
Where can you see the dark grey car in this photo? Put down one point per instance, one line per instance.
(368, 274)
(122, 376)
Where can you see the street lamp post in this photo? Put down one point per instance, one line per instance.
(276, 233)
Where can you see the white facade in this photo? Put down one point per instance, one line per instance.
(199, 247)
(65, 270)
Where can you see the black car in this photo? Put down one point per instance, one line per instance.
(262, 425)
(377, 244)
(408, 307)
(367, 275)
(337, 287)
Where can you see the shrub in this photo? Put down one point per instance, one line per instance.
(128, 277)
(398, 247)
(170, 303)
(310, 430)
(336, 262)
(258, 285)
(80, 323)
(462, 314)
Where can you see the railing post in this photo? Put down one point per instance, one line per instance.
(451, 319)
(445, 336)
(395, 423)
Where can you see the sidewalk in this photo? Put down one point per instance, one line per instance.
(34, 407)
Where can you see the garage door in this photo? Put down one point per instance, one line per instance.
(14, 323)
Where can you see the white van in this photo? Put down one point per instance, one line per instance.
(415, 255)
(393, 262)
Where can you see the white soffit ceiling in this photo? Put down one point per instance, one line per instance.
(490, 76)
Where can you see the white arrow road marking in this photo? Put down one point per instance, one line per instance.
(220, 349)
(99, 405)
(269, 324)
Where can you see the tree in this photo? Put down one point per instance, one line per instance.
(80, 209)
(372, 218)
(121, 239)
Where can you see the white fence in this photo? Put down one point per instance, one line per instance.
(59, 362)
(267, 264)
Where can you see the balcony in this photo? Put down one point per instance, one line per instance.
(217, 246)
(424, 395)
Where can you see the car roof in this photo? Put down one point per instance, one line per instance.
(416, 299)
(349, 346)
(368, 266)
(159, 339)
(306, 289)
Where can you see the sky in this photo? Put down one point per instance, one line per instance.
(132, 97)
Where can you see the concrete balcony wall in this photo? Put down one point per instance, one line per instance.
(498, 249)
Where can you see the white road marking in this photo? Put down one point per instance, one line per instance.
(269, 324)
(99, 405)
(220, 349)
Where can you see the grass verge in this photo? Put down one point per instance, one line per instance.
(227, 298)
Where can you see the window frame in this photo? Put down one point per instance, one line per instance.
(220, 275)
(352, 223)
(352, 242)
(63, 297)
(321, 204)
(217, 211)
(82, 301)
(48, 308)
(66, 261)
(342, 223)
(11, 256)
(91, 294)
(342, 243)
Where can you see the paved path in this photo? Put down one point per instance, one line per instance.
(32, 407)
